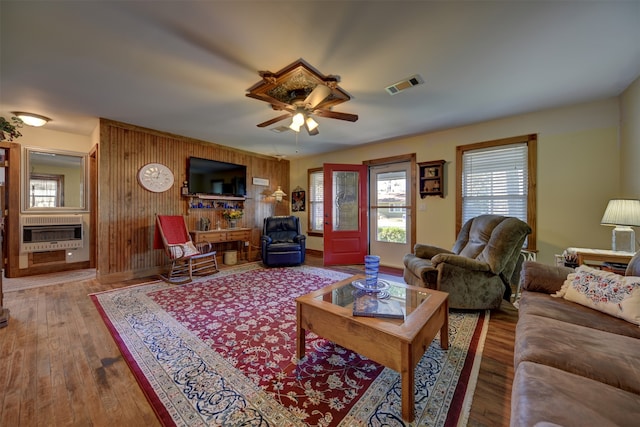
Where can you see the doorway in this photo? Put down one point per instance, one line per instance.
(391, 211)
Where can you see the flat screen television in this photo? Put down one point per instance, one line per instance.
(212, 177)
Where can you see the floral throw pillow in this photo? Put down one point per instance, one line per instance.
(604, 291)
(187, 249)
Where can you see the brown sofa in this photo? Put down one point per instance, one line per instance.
(574, 366)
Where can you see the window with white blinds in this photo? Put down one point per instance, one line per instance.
(498, 177)
(46, 190)
(316, 201)
(495, 181)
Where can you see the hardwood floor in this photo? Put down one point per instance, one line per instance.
(59, 366)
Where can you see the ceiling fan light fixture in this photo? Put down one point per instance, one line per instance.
(296, 122)
(300, 88)
(31, 119)
(294, 127)
(311, 124)
(298, 119)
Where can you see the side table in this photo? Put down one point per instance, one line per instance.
(525, 255)
(596, 257)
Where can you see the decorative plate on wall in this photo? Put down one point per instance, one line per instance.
(155, 177)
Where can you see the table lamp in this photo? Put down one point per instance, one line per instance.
(622, 214)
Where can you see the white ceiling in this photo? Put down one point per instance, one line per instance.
(184, 66)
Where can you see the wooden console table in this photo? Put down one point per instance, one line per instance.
(238, 235)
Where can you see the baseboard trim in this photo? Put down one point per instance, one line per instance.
(47, 269)
(314, 252)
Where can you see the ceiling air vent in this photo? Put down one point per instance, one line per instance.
(398, 87)
(280, 129)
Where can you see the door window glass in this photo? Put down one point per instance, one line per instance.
(390, 203)
(345, 196)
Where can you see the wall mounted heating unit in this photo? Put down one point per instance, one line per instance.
(40, 233)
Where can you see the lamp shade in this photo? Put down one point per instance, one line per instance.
(311, 124)
(622, 212)
(279, 194)
(297, 121)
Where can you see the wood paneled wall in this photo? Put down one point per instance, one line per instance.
(12, 226)
(126, 211)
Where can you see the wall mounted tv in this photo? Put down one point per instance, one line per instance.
(216, 178)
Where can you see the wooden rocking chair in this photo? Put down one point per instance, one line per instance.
(187, 259)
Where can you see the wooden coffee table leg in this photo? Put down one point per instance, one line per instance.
(300, 343)
(300, 334)
(407, 375)
(407, 381)
(444, 331)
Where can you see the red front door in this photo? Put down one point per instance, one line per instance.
(345, 214)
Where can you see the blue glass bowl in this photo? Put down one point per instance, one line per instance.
(361, 284)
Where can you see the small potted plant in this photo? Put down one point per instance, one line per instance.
(232, 215)
(9, 129)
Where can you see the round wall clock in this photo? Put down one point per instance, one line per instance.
(155, 177)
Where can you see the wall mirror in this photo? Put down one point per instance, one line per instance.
(54, 180)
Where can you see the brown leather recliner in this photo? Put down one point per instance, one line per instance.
(477, 271)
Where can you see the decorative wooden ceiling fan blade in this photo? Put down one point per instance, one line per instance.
(335, 115)
(274, 120)
(317, 95)
(275, 104)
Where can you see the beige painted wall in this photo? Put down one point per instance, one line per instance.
(578, 160)
(55, 140)
(630, 142)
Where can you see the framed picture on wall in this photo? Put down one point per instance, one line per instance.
(297, 201)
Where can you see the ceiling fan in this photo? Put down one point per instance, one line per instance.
(302, 92)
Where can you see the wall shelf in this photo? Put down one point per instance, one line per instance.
(431, 179)
(208, 201)
(214, 197)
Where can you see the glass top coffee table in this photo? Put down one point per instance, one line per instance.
(395, 343)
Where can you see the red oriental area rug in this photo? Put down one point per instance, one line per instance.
(221, 351)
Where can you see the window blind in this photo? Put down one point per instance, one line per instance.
(45, 193)
(495, 181)
(316, 201)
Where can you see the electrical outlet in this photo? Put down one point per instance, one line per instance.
(246, 243)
